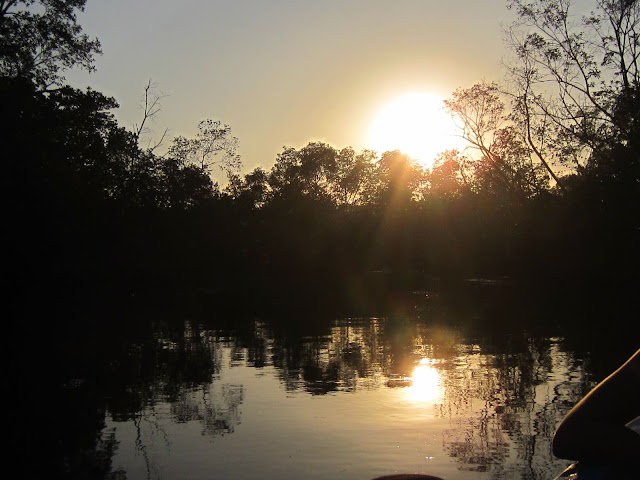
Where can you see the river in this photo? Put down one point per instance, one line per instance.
(415, 390)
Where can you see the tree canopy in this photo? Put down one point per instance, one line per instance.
(562, 160)
(39, 40)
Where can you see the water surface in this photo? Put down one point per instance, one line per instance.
(358, 398)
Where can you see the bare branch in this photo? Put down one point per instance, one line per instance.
(151, 106)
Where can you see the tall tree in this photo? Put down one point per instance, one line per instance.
(352, 176)
(449, 176)
(502, 163)
(213, 146)
(575, 79)
(308, 171)
(396, 181)
(251, 191)
(39, 40)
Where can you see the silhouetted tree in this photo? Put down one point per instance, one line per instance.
(504, 166)
(450, 174)
(592, 64)
(353, 175)
(308, 171)
(396, 181)
(151, 107)
(213, 145)
(252, 191)
(41, 39)
(574, 84)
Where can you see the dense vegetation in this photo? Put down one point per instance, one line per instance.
(547, 192)
(547, 196)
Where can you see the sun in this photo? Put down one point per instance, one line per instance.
(417, 125)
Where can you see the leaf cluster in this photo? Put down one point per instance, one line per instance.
(39, 40)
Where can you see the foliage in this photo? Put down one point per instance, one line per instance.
(397, 182)
(501, 162)
(450, 174)
(575, 78)
(341, 178)
(115, 208)
(308, 171)
(213, 145)
(352, 176)
(40, 40)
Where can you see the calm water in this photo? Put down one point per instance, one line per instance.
(464, 386)
(357, 398)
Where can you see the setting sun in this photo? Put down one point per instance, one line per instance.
(417, 125)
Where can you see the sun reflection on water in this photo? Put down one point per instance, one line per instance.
(425, 382)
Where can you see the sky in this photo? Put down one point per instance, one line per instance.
(287, 72)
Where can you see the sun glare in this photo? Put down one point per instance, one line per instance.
(425, 385)
(417, 125)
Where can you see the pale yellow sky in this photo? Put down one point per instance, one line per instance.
(285, 72)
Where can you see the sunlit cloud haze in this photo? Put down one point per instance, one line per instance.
(286, 72)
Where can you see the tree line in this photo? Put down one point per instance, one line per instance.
(546, 192)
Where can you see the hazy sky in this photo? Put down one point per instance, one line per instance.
(285, 72)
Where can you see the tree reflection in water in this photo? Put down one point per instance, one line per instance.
(176, 369)
(503, 400)
(504, 407)
(501, 397)
(349, 357)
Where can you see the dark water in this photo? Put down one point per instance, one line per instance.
(443, 388)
